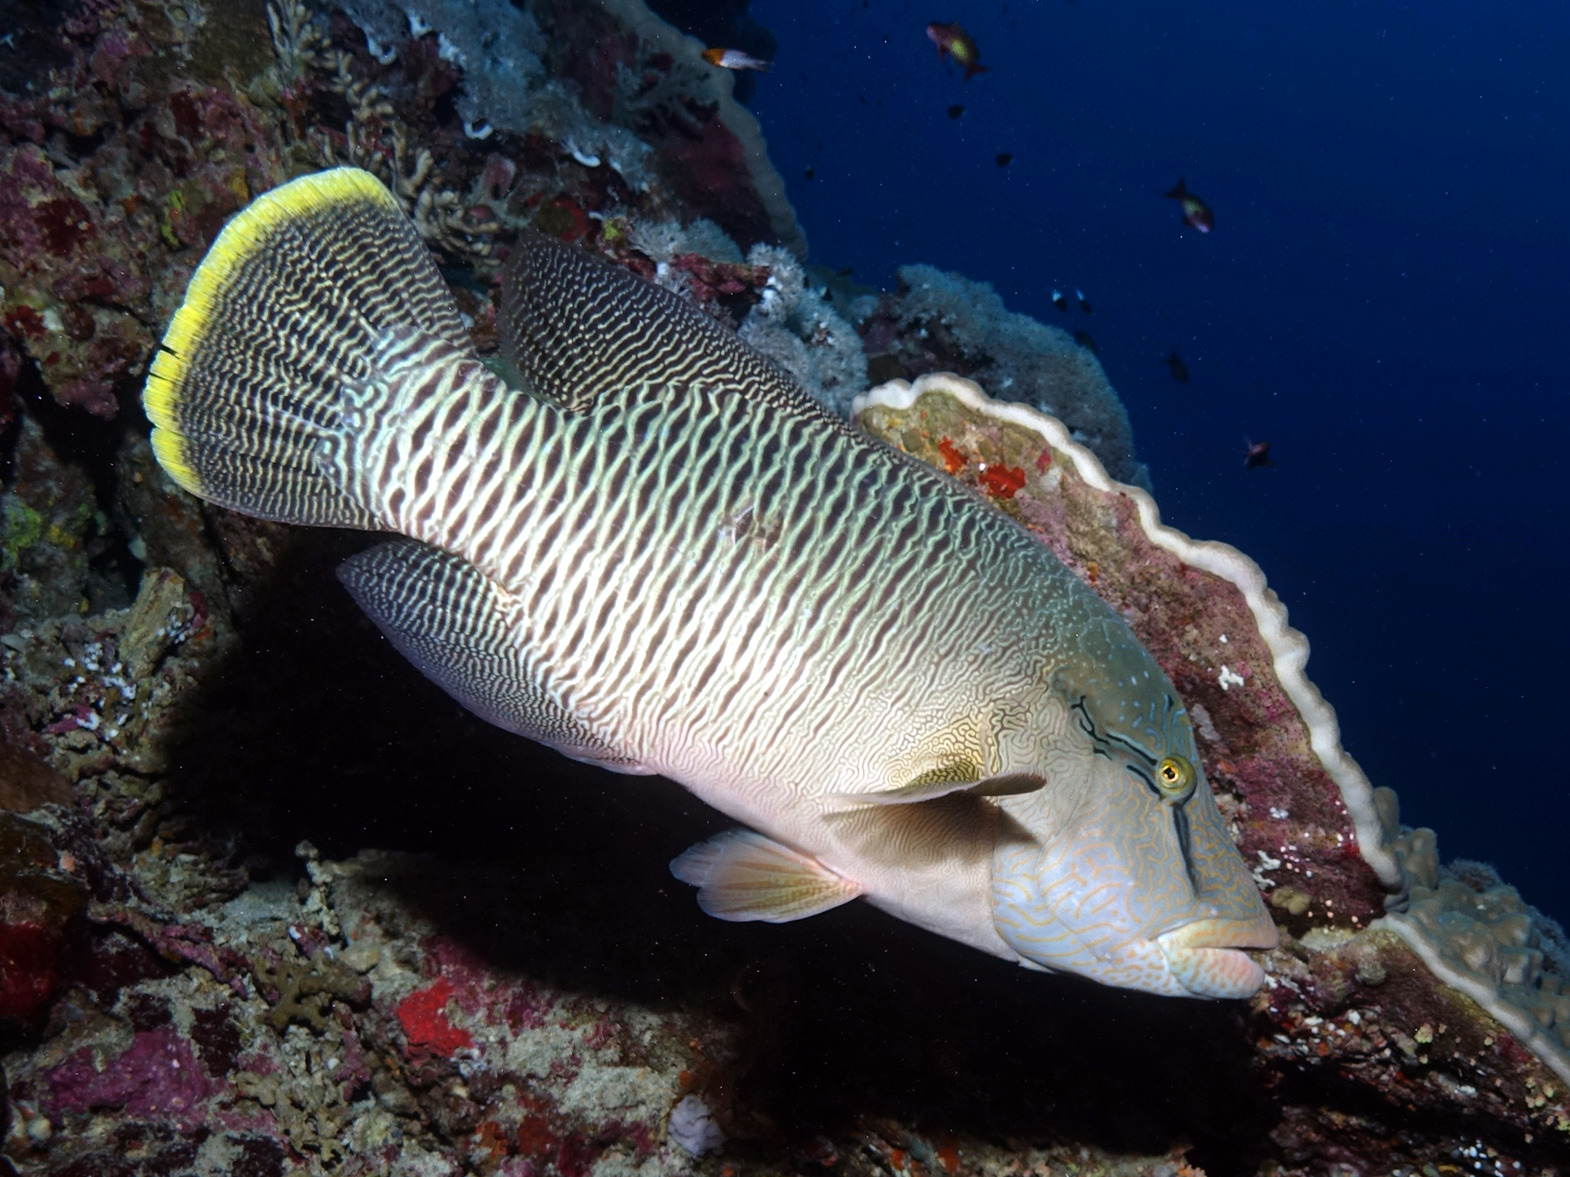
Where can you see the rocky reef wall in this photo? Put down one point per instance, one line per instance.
(271, 903)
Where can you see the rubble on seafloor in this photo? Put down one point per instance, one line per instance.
(271, 903)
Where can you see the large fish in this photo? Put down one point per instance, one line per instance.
(636, 541)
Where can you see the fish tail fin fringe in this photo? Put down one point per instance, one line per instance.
(285, 313)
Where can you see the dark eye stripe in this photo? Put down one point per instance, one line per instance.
(1132, 749)
(1145, 778)
(1180, 819)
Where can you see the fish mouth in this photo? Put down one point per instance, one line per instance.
(1206, 957)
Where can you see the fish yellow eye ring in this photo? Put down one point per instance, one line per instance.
(1175, 776)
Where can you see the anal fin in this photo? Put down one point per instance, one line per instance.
(453, 622)
(741, 875)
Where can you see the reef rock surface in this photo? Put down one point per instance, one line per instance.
(271, 903)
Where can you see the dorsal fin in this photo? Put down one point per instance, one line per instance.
(576, 327)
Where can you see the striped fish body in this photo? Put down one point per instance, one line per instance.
(650, 550)
(758, 603)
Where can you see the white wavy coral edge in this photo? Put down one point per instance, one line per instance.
(1512, 1017)
(1288, 647)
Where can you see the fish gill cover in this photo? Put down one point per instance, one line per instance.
(485, 967)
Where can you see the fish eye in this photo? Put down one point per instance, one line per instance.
(1175, 776)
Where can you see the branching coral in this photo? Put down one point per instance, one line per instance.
(799, 330)
(660, 241)
(375, 139)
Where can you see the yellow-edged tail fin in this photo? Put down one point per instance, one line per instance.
(284, 312)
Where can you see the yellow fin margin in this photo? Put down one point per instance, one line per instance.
(241, 238)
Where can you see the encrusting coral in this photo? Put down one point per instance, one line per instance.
(938, 321)
(1236, 667)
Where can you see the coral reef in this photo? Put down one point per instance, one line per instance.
(1476, 933)
(205, 969)
(939, 321)
(800, 330)
(118, 169)
(538, 998)
(637, 72)
(1487, 969)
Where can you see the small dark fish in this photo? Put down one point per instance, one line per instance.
(1059, 301)
(1084, 303)
(1005, 158)
(1256, 455)
(811, 172)
(1087, 341)
(953, 41)
(843, 272)
(1179, 368)
(956, 110)
(1196, 213)
(736, 59)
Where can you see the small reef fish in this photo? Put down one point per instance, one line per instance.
(1178, 367)
(1256, 454)
(1084, 303)
(953, 41)
(1059, 301)
(736, 59)
(1087, 341)
(955, 111)
(1005, 158)
(1196, 213)
(632, 538)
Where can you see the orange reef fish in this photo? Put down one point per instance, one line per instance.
(1256, 455)
(953, 41)
(1196, 213)
(736, 59)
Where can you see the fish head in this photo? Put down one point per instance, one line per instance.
(1121, 868)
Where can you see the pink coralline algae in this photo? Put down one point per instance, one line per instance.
(29, 970)
(709, 280)
(158, 1078)
(1286, 813)
(39, 906)
(87, 246)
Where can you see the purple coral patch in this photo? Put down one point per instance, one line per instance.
(158, 1078)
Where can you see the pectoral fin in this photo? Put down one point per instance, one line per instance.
(1007, 784)
(963, 756)
(741, 875)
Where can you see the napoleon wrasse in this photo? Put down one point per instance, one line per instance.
(635, 540)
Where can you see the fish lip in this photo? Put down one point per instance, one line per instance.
(1207, 957)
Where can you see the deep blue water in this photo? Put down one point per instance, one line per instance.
(1383, 299)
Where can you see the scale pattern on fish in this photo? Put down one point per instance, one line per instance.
(635, 540)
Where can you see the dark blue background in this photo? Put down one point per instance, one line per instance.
(1383, 299)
